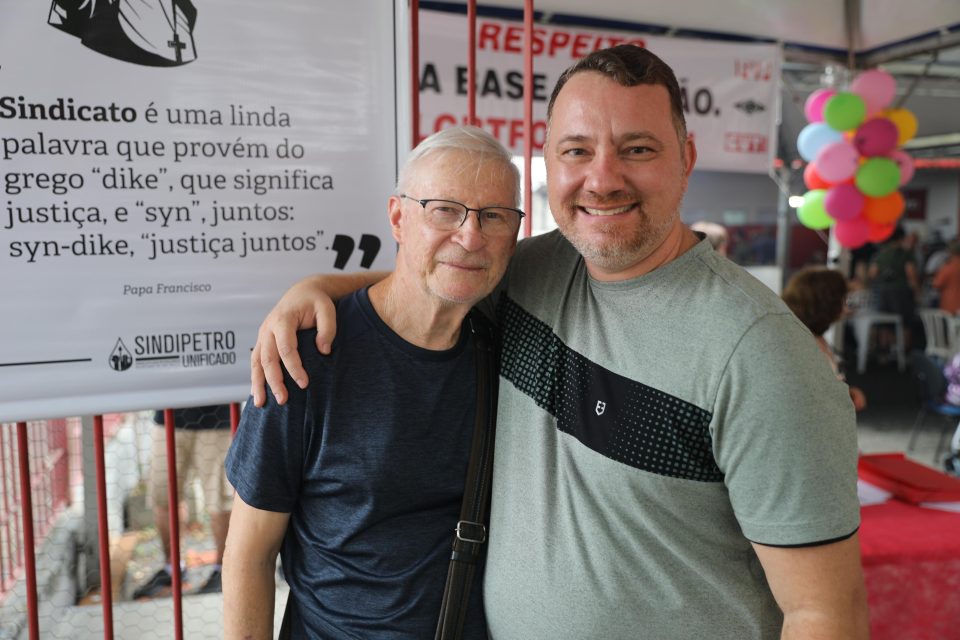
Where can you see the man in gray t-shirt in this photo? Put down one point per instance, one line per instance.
(674, 457)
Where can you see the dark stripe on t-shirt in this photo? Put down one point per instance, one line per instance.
(620, 418)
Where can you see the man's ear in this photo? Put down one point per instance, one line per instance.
(689, 155)
(395, 214)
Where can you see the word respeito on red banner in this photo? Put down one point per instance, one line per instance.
(493, 36)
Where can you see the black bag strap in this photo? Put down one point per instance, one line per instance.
(471, 532)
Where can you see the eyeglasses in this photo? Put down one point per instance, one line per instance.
(448, 215)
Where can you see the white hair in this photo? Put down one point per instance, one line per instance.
(465, 138)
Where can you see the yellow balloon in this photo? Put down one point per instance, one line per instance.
(905, 121)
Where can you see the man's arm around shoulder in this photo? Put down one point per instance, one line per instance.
(307, 304)
(249, 563)
(820, 590)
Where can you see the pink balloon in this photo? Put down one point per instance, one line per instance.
(876, 87)
(905, 161)
(843, 202)
(852, 233)
(837, 161)
(876, 137)
(813, 107)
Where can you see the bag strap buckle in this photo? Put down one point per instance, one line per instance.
(471, 532)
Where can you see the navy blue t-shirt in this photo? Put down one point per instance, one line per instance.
(370, 460)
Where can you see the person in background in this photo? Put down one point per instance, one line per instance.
(360, 478)
(715, 233)
(947, 280)
(202, 437)
(817, 296)
(674, 458)
(935, 253)
(894, 283)
(951, 372)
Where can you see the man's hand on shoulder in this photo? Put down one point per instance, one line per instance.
(303, 306)
(307, 304)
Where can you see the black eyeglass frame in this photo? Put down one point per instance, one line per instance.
(423, 203)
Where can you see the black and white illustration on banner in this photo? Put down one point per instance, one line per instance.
(154, 33)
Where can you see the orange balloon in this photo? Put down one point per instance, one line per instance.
(905, 122)
(879, 232)
(884, 210)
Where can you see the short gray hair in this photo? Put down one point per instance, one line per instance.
(466, 138)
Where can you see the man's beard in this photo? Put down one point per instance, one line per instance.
(615, 251)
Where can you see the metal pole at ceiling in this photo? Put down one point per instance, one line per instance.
(909, 49)
(851, 23)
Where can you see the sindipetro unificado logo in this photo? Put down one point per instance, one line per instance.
(120, 358)
(186, 349)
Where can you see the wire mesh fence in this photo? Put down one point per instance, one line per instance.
(64, 500)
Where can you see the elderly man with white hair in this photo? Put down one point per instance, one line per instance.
(360, 478)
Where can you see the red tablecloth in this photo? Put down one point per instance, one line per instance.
(911, 560)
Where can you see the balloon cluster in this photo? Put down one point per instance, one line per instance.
(855, 164)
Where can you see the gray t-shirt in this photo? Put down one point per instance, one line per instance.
(648, 430)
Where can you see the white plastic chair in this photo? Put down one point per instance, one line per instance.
(939, 328)
(864, 319)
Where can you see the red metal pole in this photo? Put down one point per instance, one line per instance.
(528, 116)
(173, 500)
(472, 62)
(234, 417)
(415, 69)
(26, 511)
(6, 572)
(106, 584)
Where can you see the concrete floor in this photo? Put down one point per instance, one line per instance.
(892, 407)
(151, 619)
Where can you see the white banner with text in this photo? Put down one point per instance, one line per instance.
(730, 90)
(169, 168)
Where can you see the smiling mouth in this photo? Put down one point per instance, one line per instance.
(466, 267)
(607, 212)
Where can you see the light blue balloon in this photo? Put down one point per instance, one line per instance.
(816, 136)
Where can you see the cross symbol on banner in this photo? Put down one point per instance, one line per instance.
(177, 44)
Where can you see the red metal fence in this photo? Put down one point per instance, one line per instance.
(50, 443)
(54, 479)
